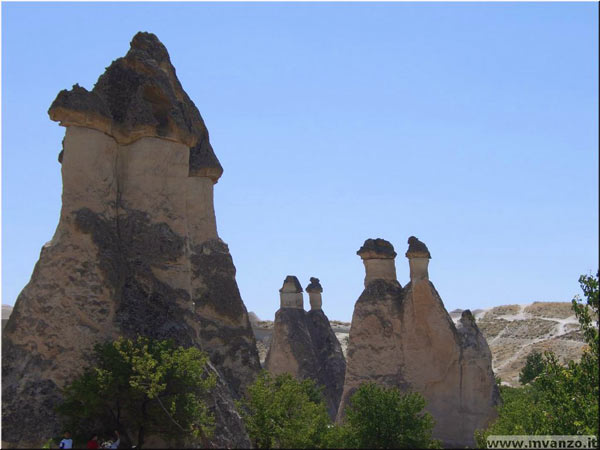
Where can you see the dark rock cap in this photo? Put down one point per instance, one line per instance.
(467, 316)
(140, 95)
(314, 286)
(376, 249)
(417, 249)
(291, 281)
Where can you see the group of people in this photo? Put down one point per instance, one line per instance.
(67, 442)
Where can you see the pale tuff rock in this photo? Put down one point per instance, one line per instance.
(404, 337)
(314, 290)
(418, 259)
(304, 345)
(378, 257)
(290, 294)
(138, 96)
(479, 388)
(417, 249)
(136, 250)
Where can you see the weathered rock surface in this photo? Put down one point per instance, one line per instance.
(6, 311)
(511, 331)
(136, 250)
(304, 345)
(378, 257)
(404, 337)
(331, 363)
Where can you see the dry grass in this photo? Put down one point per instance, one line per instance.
(529, 329)
(502, 311)
(519, 329)
(560, 310)
(491, 328)
(565, 351)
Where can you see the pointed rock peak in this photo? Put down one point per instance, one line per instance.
(139, 96)
(146, 46)
(291, 284)
(314, 286)
(376, 249)
(467, 318)
(417, 249)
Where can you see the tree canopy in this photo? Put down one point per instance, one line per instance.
(282, 412)
(379, 417)
(142, 385)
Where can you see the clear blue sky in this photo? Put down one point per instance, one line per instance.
(472, 126)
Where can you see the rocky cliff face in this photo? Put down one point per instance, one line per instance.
(303, 343)
(404, 337)
(136, 250)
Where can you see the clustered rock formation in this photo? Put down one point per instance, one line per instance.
(303, 343)
(405, 338)
(136, 250)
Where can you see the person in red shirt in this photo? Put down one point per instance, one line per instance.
(93, 442)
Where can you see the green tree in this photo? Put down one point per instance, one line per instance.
(572, 391)
(283, 412)
(562, 399)
(522, 412)
(534, 365)
(386, 418)
(145, 386)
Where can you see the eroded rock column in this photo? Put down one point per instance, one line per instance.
(331, 364)
(290, 293)
(418, 260)
(291, 349)
(304, 345)
(405, 338)
(374, 353)
(314, 290)
(136, 250)
(378, 257)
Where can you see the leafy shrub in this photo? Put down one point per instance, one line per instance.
(143, 385)
(283, 412)
(380, 417)
(534, 365)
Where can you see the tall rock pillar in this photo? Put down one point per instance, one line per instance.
(373, 352)
(418, 260)
(304, 345)
(136, 250)
(291, 349)
(378, 257)
(314, 290)
(290, 294)
(405, 338)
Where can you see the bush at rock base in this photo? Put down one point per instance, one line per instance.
(142, 387)
(283, 412)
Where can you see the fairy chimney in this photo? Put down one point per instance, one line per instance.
(304, 345)
(314, 290)
(290, 293)
(405, 338)
(136, 250)
(418, 259)
(378, 257)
